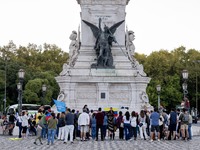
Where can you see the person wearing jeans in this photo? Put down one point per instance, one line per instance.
(142, 125)
(69, 126)
(19, 125)
(189, 128)
(52, 124)
(127, 125)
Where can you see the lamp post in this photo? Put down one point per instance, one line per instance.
(158, 88)
(5, 92)
(19, 88)
(196, 110)
(184, 85)
(21, 74)
(44, 89)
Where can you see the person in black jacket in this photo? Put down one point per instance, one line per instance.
(61, 126)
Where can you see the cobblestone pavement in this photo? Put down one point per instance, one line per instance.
(10, 143)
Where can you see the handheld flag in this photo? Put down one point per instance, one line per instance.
(61, 107)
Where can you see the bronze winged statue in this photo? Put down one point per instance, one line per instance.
(104, 39)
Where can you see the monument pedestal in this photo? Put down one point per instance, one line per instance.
(103, 88)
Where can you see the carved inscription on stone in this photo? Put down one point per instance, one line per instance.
(86, 95)
(124, 2)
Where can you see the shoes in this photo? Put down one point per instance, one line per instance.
(47, 143)
(35, 143)
(64, 142)
(41, 143)
(158, 140)
(151, 140)
(72, 142)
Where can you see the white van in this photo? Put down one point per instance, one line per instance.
(31, 108)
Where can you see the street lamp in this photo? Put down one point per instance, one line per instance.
(44, 89)
(5, 97)
(158, 88)
(184, 85)
(21, 74)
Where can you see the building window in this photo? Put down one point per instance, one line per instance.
(103, 95)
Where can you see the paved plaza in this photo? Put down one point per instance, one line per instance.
(10, 143)
(13, 143)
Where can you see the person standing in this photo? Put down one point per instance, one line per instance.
(142, 125)
(111, 123)
(69, 125)
(12, 123)
(161, 126)
(52, 125)
(155, 124)
(99, 121)
(83, 122)
(61, 126)
(133, 125)
(39, 130)
(189, 127)
(173, 119)
(19, 119)
(127, 125)
(184, 118)
(105, 124)
(120, 125)
(93, 126)
(24, 118)
(44, 122)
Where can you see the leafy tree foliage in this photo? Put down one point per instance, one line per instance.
(165, 68)
(41, 65)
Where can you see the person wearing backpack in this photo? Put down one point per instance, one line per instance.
(172, 124)
(184, 118)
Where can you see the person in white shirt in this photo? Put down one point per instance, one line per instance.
(24, 118)
(83, 122)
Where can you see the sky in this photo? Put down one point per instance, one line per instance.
(158, 24)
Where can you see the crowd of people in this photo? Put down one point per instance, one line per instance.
(87, 124)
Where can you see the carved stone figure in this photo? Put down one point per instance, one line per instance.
(73, 49)
(145, 101)
(139, 67)
(130, 47)
(104, 39)
(66, 70)
(61, 96)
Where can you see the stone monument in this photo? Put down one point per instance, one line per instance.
(102, 70)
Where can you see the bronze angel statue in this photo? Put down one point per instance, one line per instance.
(104, 39)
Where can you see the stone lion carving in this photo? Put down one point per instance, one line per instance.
(73, 48)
